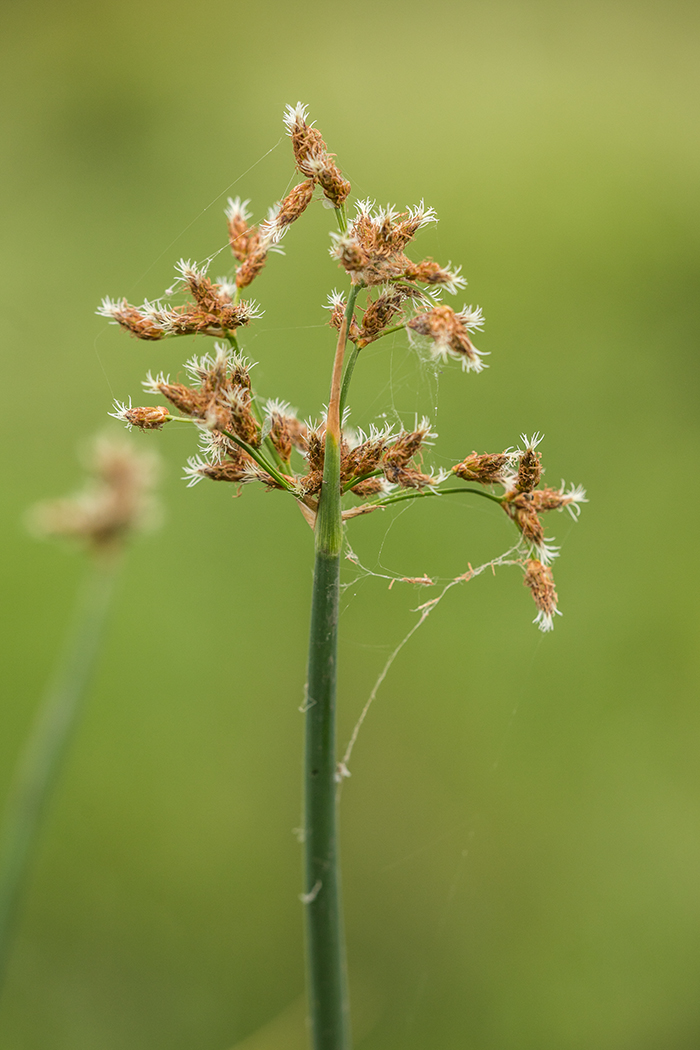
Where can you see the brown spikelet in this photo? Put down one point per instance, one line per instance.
(549, 499)
(487, 468)
(331, 181)
(145, 418)
(407, 477)
(315, 448)
(190, 402)
(368, 487)
(234, 470)
(540, 582)
(523, 513)
(251, 267)
(362, 459)
(286, 431)
(529, 470)
(137, 323)
(311, 483)
(428, 272)
(244, 239)
(407, 445)
(295, 203)
(379, 315)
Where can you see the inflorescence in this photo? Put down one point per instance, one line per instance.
(117, 501)
(244, 439)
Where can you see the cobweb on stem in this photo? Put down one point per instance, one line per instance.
(510, 557)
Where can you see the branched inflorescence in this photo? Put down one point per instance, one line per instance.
(244, 439)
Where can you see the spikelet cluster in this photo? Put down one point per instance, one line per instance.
(244, 438)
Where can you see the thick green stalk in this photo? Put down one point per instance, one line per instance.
(41, 761)
(327, 969)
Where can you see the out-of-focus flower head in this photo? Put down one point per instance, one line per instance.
(116, 502)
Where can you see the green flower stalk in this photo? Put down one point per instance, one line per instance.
(101, 518)
(323, 466)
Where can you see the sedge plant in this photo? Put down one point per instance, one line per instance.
(333, 474)
(116, 503)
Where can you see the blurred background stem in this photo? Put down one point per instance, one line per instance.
(40, 763)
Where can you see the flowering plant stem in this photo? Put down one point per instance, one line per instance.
(40, 764)
(327, 969)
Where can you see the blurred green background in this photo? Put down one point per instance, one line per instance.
(520, 833)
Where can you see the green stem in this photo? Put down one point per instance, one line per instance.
(41, 761)
(268, 443)
(354, 353)
(231, 338)
(387, 331)
(259, 459)
(342, 219)
(347, 377)
(233, 343)
(361, 477)
(424, 493)
(327, 970)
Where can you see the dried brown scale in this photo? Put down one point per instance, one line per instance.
(241, 420)
(405, 448)
(447, 330)
(244, 239)
(362, 459)
(140, 326)
(336, 321)
(216, 380)
(365, 250)
(540, 582)
(405, 231)
(528, 522)
(251, 267)
(409, 291)
(229, 470)
(529, 471)
(352, 257)
(191, 402)
(311, 483)
(314, 160)
(206, 294)
(258, 474)
(295, 203)
(379, 315)
(407, 477)
(486, 468)
(549, 499)
(336, 188)
(315, 442)
(299, 433)
(368, 487)
(381, 239)
(285, 431)
(428, 272)
(225, 317)
(239, 374)
(147, 418)
(306, 142)
(379, 270)
(375, 250)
